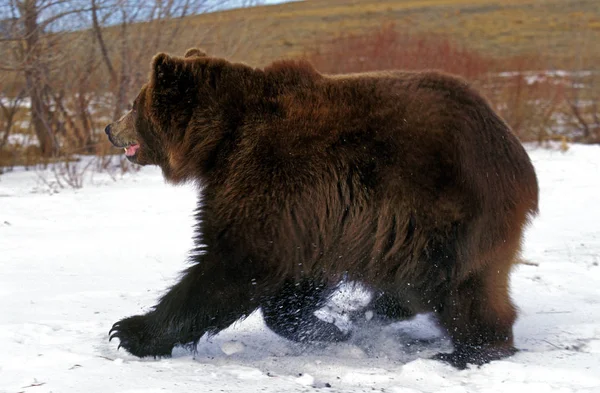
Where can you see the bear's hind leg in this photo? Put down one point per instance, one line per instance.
(479, 316)
(290, 313)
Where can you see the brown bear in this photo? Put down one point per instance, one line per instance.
(407, 182)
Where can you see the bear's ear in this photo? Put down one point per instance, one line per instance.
(162, 69)
(194, 52)
(172, 80)
(167, 71)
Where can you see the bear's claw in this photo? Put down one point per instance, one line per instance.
(137, 337)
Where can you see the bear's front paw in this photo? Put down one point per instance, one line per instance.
(139, 336)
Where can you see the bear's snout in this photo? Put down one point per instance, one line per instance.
(121, 133)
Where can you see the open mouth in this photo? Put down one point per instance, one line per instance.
(131, 149)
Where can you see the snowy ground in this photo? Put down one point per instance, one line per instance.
(74, 262)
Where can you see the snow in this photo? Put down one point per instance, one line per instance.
(572, 79)
(74, 262)
(6, 101)
(548, 73)
(22, 139)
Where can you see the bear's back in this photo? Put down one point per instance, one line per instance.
(420, 131)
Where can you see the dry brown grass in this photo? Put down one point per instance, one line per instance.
(500, 28)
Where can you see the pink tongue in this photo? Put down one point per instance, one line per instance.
(131, 150)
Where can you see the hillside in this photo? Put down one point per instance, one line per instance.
(560, 29)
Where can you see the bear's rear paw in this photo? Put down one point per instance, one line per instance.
(324, 331)
(137, 335)
(474, 355)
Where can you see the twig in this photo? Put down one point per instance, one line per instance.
(33, 385)
(555, 346)
(528, 263)
(553, 312)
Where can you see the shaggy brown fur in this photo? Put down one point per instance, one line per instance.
(407, 182)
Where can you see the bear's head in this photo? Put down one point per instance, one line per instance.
(156, 129)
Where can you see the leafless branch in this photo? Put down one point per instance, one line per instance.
(100, 38)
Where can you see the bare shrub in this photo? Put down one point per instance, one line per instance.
(115, 166)
(76, 171)
(388, 48)
(529, 102)
(9, 107)
(68, 173)
(583, 105)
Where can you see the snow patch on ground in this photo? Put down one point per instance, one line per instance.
(75, 261)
